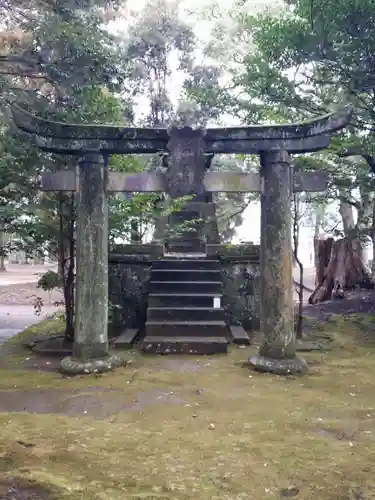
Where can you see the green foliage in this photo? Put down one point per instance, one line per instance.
(49, 281)
(157, 34)
(67, 67)
(312, 57)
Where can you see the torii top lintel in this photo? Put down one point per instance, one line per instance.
(68, 138)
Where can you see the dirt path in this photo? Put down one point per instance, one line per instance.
(18, 285)
(14, 318)
(18, 294)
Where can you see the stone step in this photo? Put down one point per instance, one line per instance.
(239, 335)
(192, 263)
(171, 287)
(184, 345)
(185, 255)
(193, 233)
(182, 299)
(185, 314)
(199, 247)
(185, 239)
(185, 275)
(126, 339)
(186, 328)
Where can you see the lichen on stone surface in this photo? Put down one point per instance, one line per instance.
(74, 366)
(241, 295)
(128, 291)
(281, 366)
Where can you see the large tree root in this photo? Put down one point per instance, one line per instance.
(339, 268)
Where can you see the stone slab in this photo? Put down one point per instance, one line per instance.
(118, 182)
(256, 146)
(213, 287)
(197, 329)
(236, 253)
(214, 182)
(239, 335)
(144, 260)
(184, 345)
(309, 129)
(126, 339)
(185, 255)
(184, 263)
(185, 313)
(54, 346)
(192, 247)
(182, 299)
(232, 182)
(212, 146)
(145, 248)
(175, 274)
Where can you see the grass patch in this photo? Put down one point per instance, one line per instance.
(182, 428)
(46, 327)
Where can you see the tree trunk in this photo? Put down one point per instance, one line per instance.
(69, 281)
(319, 218)
(346, 212)
(323, 250)
(340, 268)
(373, 239)
(352, 230)
(2, 251)
(66, 267)
(296, 235)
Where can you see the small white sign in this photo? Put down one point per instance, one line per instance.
(217, 303)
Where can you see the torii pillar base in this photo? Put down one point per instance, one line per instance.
(75, 366)
(282, 366)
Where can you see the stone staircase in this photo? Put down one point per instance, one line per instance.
(187, 241)
(184, 307)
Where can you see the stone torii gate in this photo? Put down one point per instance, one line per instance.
(186, 175)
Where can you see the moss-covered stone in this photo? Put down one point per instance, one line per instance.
(279, 366)
(235, 253)
(309, 128)
(77, 366)
(128, 278)
(91, 313)
(241, 293)
(277, 353)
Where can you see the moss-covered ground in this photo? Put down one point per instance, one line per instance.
(206, 428)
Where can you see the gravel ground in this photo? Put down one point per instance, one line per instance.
(18, 294)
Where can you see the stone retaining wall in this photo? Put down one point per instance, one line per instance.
(241, 283)
(129, 269)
